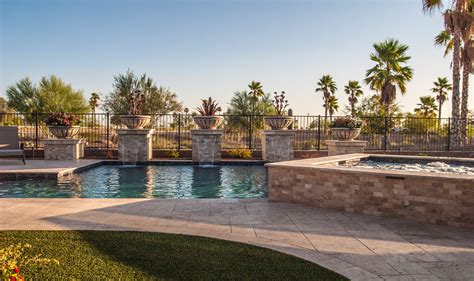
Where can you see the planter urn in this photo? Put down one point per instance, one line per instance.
(135, 121)
(64, 132)
(279, 122)
(208, 122)
(345, 134)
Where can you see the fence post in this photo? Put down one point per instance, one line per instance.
(108, 130)
(250, 133)
(385, 133)
(448, 147)
(179, 131)
(319, 132)
(36, 130)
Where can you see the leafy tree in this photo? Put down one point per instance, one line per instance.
(354, 90)
(157, 100)
(327, 86)
(441, 88)
(3, 105)
(51, 95)
(256, 92)
(390, 71)
(241, 106)
(457, 21)
(427, 107)
(370, 109)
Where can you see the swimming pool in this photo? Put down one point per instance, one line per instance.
(173, 181)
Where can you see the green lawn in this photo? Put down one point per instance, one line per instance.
(140, 255)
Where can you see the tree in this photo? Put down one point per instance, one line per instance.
(3, 105)
(354, 90)
(94, 101)
(241, 107)
(390, 71)
(157, 100)
(332, 106)
(457, 21)
(441, 88)
(256, 93)
(370, 109)
(51, 95)
(427, 107)
(328, 87)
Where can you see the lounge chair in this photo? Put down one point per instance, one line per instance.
(10, 143)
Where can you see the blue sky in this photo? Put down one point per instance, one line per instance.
(213, 48)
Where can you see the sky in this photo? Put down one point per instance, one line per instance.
(214, 48)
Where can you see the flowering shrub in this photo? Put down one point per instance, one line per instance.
(240, 153)
(347, 122)
(12, 258)
(62, 119)
(280, 103)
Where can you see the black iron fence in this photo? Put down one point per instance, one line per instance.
(173, 131)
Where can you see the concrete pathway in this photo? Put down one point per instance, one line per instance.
(358, 246)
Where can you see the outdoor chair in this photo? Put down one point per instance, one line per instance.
(10, 143)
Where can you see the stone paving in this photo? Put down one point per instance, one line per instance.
(360, 247)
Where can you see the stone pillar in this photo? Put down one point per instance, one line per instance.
(63, 149)
(278, 145)
(336, 147)
(207, 145)
(135, 145)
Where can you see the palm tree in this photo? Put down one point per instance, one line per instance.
(427, 106)
(255, 92)
(441, 88)
(445, 40)
(354, 90)
(457, 22)
(94, 101)
(332, 106)
(390, 71)
(328, 87)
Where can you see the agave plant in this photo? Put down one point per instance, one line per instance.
(209, 107)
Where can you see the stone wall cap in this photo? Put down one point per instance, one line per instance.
(346, 143)
(62, 141)
(207, 132)
(279, 132)
(135, 131)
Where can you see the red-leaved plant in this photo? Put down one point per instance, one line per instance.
(347, 122)
(280, 103)
(62, 119)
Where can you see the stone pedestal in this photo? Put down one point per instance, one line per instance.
(207, 145)
(63, 149)
(336, 147)
(135, 145)
(278, 145)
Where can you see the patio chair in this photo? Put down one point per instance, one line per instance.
(10, 143)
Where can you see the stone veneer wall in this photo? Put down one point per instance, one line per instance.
(207, 145)
(135, 145)
(436, 200)
(278, 145)
(63, 149)
(337, 147)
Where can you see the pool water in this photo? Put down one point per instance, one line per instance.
(430, 167)
(111, 181)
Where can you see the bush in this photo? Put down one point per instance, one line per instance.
(171, 154)
(243, 153)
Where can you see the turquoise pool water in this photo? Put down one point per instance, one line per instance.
(110, 181)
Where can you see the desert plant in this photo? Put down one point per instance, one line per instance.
(62, 119)
(280, 103)
(209, 107)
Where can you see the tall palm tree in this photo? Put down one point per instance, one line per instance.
(427, 106)
(354, 90)
(328, 87)
(255, 92)
(457, 22)
(390, 71)
(332, 105)
(94, 101)
(441, 88)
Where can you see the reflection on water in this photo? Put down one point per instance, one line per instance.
(148, 182)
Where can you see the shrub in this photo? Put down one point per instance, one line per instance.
(171, 154)
(62, 119)
(346, 122)
(243, 153)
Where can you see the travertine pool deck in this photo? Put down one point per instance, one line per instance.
(42, 168)
(361, 247)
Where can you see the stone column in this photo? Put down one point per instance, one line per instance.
(63, 149)
(278, 145)
(207, 145)
(336, 147)
(135, 145)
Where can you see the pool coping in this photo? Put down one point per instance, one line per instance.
(322, 164)
(59, 172)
